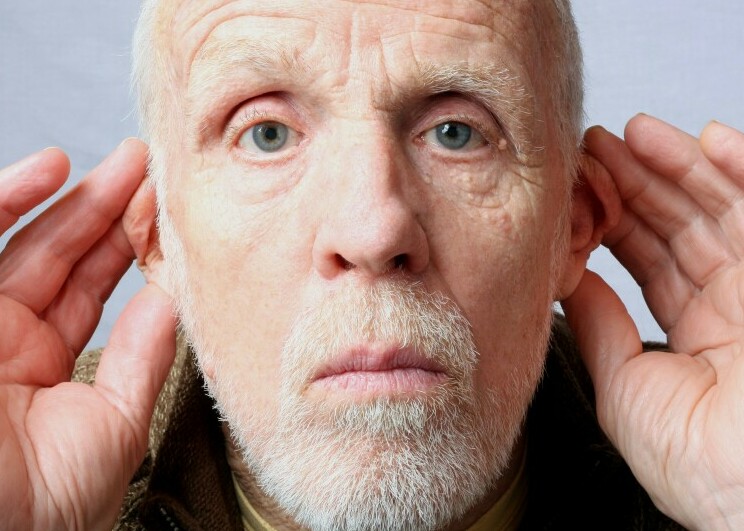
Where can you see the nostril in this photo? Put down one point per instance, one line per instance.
(399, 262)
(343, 263)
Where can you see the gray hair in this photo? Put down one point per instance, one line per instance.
(562, 61)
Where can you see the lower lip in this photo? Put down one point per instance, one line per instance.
(390, 382)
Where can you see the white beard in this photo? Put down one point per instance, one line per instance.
(390, 463)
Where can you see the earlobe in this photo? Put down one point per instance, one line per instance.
(595, 210)
(140, 225)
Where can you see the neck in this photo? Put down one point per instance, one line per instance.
(494, 495)
(263, 504)
(279, 519)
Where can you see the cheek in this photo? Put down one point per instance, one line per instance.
(509, 289)
(500, 277)
(495, 262)
(239, 273)
(511, 328)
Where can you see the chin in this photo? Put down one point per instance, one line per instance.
(388, 463)
(388, 460)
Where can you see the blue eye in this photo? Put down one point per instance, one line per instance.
(267, 137)
(454, 135)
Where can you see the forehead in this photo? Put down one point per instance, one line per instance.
(186, 25)
(372, 51)
(479, 12)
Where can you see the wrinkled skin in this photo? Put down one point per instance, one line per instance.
(676, 417)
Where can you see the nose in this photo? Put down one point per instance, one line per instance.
(370, 225)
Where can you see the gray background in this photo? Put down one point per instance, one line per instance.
(64, 81)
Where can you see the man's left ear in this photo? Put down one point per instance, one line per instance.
(140, 226)
(595, 210)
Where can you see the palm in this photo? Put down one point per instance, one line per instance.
(52, 451)
(676, 416)
(67, 449)
(684, 408)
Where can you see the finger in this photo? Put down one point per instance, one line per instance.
(678, 157)
(666, 208)
(136, 361)
(650, 261)
(30, 181)
(698, 244)
(605, 334)
(724, 147)
(76, 310)
(38, 259)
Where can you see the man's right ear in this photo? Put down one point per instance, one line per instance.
(140, 226)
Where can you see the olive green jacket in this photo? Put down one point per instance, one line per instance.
(576, 479)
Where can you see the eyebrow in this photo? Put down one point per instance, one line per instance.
(497, 87)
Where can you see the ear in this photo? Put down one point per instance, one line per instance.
(140, 226)
(595, 210)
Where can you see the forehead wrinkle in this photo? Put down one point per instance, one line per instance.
(193, 25)
(218, 55)
(185, 26)
(218, 60)
(244, 50)
(460, 10)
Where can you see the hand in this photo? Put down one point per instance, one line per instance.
(677, 417)
(68, 450)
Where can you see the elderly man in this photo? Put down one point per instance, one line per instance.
(364, 214)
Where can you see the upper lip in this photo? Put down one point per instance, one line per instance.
(373, 359)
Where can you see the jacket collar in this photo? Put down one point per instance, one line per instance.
(190, 486)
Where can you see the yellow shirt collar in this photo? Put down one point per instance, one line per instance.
(507, 512)
(252, 521)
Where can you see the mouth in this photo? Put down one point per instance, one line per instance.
(371, 371)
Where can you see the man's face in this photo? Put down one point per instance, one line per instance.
(355, 183)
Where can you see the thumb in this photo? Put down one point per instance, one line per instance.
(140, 352)
(605, 333)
